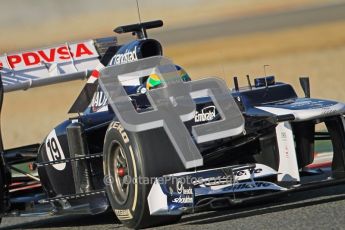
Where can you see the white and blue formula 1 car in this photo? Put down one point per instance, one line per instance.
(96, 161)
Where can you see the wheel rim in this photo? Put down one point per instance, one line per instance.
(119, 169)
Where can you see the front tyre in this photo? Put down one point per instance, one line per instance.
(131, 161)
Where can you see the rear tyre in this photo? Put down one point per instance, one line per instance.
(129, 155)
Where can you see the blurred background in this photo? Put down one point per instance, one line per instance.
(223, 38)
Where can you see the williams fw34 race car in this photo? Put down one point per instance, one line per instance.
(150, 144)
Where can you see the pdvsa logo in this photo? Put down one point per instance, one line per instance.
(58, 54)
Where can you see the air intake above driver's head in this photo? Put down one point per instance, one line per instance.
(136, 50)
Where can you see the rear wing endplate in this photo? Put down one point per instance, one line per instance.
(52, 65)
(56, 64)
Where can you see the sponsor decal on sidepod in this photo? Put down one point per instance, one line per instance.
(181, 190)
(206, 114)
(128, 56)
(186, 194)
(99, 100)
(183, 200)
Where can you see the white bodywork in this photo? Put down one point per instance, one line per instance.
(158, 200)
(288, 168)
(23, 69)
(304, 110)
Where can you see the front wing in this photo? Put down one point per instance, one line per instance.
(222, 188)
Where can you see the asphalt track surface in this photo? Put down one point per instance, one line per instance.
(251, 24)
(317, 209)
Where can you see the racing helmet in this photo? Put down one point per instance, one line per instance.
(154, 81)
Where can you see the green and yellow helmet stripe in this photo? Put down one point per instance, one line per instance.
(153, 81)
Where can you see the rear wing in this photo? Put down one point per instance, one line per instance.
(41, 67)
(56, 64)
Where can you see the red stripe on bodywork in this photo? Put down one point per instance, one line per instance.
(26, 187)
(95, 73)
(319, 165)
